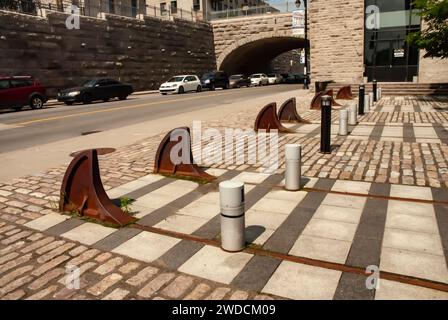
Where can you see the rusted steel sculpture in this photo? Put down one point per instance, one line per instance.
(315, 103)
(83, 191)
(345, 93)
(267, 119)
(288, 112)
(179, 140)
(331, 94)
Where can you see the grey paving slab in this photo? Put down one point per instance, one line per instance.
(377, 131)
(439, 194)
(441, 132)
(64, 227)
(442, 221)
(115, 239)
(256, 273)
(408, 132)
(285, 236)
(353, 287)
(366, 245)
(179, 254)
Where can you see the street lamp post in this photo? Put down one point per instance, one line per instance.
(298, 3)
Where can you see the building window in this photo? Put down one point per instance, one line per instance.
(196, 5)
(134, 8)
(111, 6)
(163, 8)
(388, 56)
(173, 6)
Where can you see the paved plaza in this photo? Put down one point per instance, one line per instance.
(379, 199)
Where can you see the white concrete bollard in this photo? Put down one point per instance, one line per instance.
(353, 115)
(380, 93)
(372, 102)
(366, 103)
(231, 195)
(293, 167)
(343, 119)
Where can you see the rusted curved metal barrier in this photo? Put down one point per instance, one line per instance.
(345, 93)
(288, 112)
(315, 103)
(176, 142)
(83, 191)
(267, 119)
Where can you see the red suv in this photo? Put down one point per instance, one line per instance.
(17, 92)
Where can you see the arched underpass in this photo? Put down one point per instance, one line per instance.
(249, 57)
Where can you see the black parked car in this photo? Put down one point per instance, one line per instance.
(215, 79)
(296, 78)
(99, 89)
(238, 81)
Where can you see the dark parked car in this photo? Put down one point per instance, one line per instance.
(17, 92)
(238, 81)
(91, 90)
(295, 78)
(215, 79)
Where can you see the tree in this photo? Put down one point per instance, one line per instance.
(433, 37)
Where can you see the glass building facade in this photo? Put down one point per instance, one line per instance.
(388, 56)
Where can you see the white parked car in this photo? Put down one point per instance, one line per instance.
(259, 79)
(274, 78)
(181, 84)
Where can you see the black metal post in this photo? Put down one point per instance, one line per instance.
(325, 128)
(306, 82)
(361, 99)
(375, 87)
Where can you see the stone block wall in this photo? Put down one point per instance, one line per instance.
(282, 63)
(432, 70)
(336, 34)
(149, 50)
(228, 32)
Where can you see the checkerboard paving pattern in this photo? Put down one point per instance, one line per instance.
(411, 242)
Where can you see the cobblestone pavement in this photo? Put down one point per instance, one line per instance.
(366, 203)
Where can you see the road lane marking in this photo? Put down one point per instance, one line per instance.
(115, 109)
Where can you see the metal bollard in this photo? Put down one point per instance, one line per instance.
(325, 127)
(366, 103)
(293, 171)
(361, 99)
(343, 119)
(375, 91)
(352, 118)
(231, 194)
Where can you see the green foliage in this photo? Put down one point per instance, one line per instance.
(125, 204)
(434, 34)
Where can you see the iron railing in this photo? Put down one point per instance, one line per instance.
(279, 7)
(93, 9)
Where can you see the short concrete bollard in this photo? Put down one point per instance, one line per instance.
(380, 93)
(231, 194)
(366, 103)
(343, 120)
(293, 172)
(352, 117)
(372, 102)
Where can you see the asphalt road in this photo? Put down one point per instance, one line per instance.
(30, 128)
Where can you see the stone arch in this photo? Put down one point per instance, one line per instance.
(262, 47)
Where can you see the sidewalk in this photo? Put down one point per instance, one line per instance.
(379, 199)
